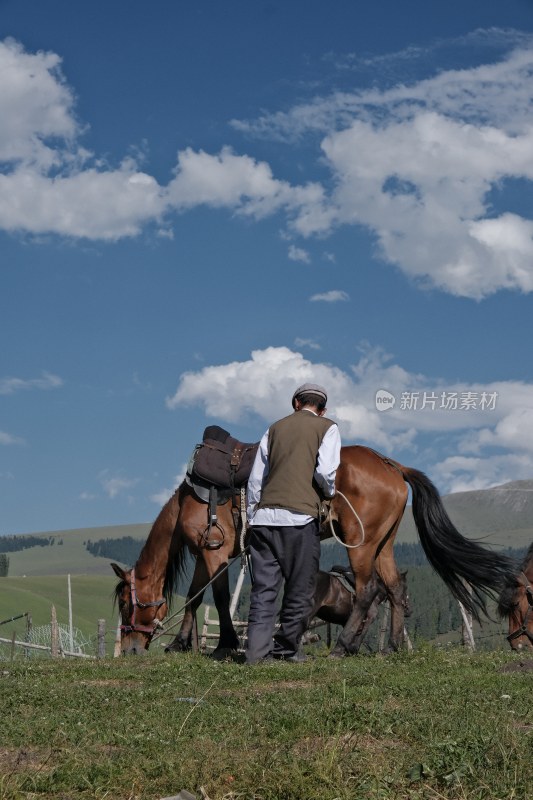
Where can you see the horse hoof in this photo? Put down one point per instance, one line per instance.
(177, 647)
(337, 654)
(223, 654)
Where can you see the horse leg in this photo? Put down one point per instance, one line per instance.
(366, 588)
(228, 641)
(183, 640)
(395, 591)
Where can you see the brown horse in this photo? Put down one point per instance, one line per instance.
(516, 603)
(334, 598)
(376, 488)
(144, 592)
(367, 510)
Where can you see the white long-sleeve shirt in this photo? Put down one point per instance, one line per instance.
(327, 462)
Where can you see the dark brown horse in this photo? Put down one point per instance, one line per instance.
(516, 603)
(367, 510)
(334, 598)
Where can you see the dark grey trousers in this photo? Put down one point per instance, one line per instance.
(281, 553)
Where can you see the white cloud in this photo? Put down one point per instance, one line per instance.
(113, 485)
(333, 296)
(299, 342)
(50, 184)
(486, 429)
(418, 165)
(299, 254)
(36, 107)
(8, 439)
(46, 381)
(263, 385)
(162, 496)
(464, 474)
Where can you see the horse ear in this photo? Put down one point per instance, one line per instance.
(119, 572)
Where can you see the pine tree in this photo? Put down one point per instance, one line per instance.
(4, 565)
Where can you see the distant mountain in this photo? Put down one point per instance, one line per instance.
(502, 515)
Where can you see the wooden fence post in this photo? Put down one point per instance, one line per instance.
(118, 639)
(205, 628)
(384, 626)
(54, 635)
(467, 633)
(70, 628)
(101, 638)
(29, 626)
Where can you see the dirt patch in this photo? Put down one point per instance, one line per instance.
(20, 759)
(519, 666)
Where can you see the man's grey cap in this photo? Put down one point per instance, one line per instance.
(310, 388)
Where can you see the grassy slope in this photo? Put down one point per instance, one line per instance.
(432, 725)
(71, 556)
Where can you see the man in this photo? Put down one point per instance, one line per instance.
(293, 472)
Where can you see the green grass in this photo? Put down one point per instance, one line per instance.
(433, 724)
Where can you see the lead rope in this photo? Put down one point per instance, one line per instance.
(358, 518)
(244, 525)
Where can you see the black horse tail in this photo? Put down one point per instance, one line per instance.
(457, 560)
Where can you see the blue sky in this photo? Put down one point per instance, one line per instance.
(205, 205)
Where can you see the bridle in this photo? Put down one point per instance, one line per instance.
(523, 629)
(133, 627)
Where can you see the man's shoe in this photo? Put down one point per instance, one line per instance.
(269, 659)
(297, 658)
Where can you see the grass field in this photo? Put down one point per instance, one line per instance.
(435, 725)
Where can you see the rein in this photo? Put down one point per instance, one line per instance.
(523, 629)
(385, 460)
(358, 518)
(149, 630)
(202, 590)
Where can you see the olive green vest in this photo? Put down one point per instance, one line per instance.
(293, 444)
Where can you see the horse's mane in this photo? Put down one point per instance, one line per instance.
(117, 591)
(507, 601)
(175, 567)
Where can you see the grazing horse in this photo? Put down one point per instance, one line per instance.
(144, 592)
(516, 603)
(334, 598)
(365, 513)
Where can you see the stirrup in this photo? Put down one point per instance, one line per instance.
(206, 543)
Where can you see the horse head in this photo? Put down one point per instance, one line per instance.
(520, 614)
(140, 618)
